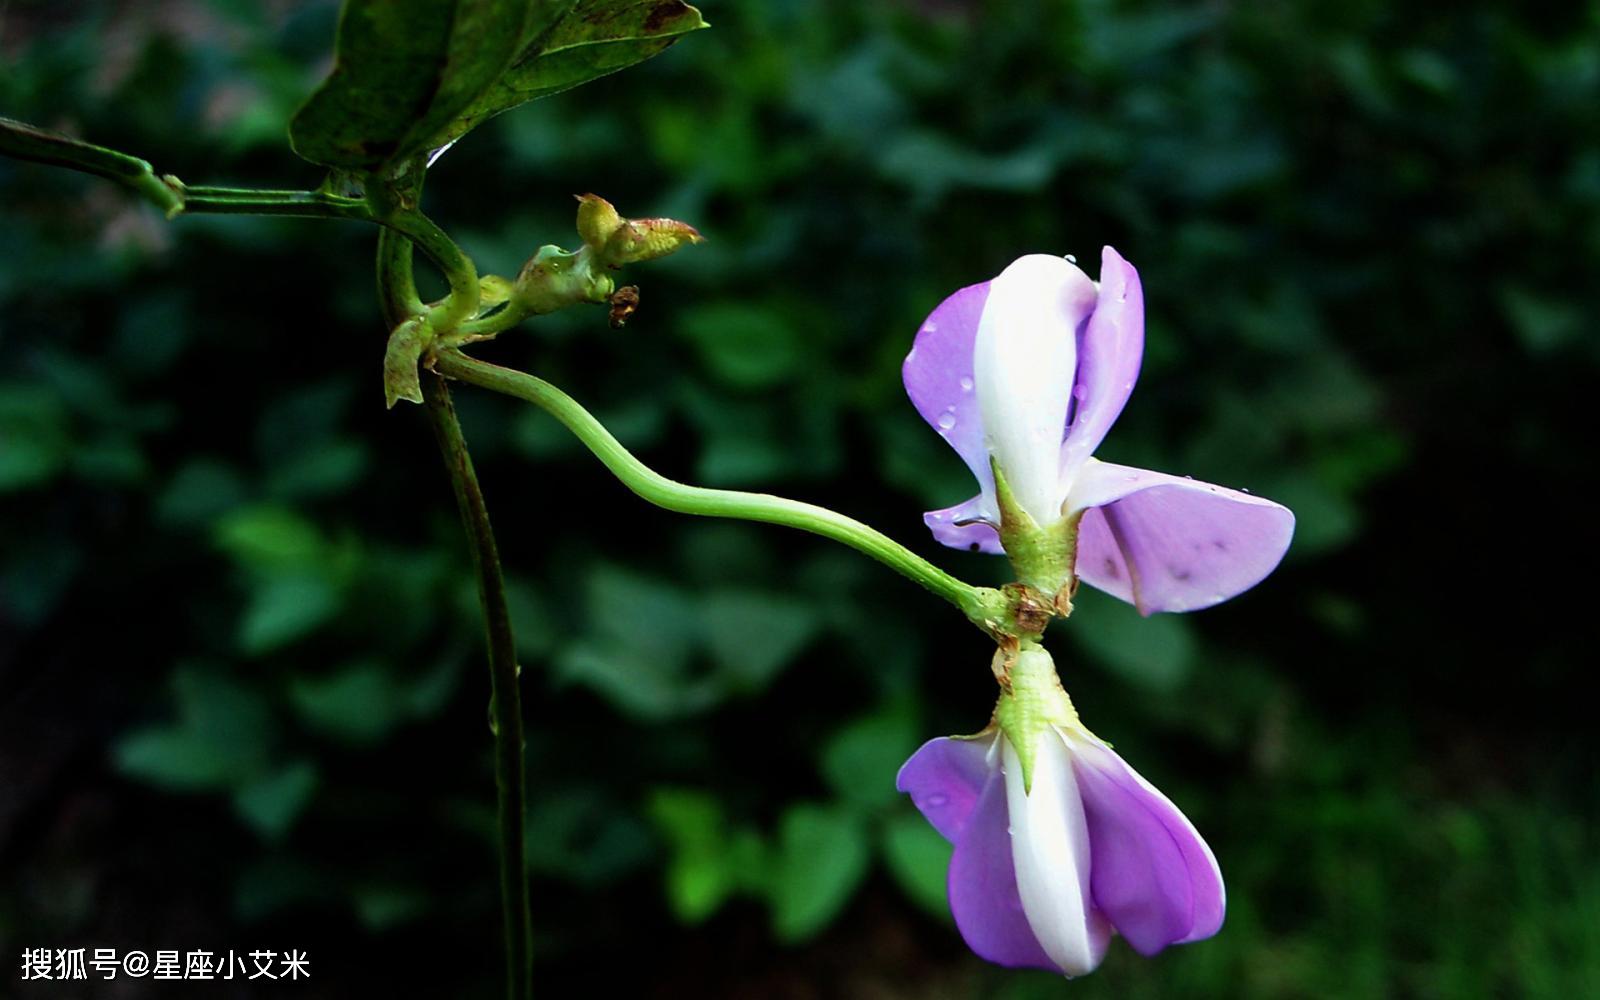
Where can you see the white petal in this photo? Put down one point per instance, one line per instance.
(1024, 362)
(1050, 849)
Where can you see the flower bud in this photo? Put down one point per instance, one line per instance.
(617, 241)
(597, 220)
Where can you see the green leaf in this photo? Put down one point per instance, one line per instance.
(638, 646)
(360, 704)
(34, 439)
(751, 636)
(860, 760)
(413, 75)
(649, 643)
(384, 905)
(822, 857)
(703, 871)
(919, 859)
(271, 804)
(219, 741)
(200, 491)
(595, 38)
(1156, 652)
(284, 607)
(270, 538)
(746, 346)
(404, 70)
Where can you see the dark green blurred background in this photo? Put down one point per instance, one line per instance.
(242, 701)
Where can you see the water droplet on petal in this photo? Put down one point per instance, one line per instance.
(936, 800)
(1244, 489)
(1079, 391)
(947, 422)
(1071, 258)
(930, 328)
(966, 384)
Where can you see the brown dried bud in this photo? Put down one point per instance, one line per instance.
(623, 303)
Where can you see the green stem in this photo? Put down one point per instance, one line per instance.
(173, 197)
(505, 698)
(458, 268)
(254, 201)
(397, 288)
(29, 142)
(399, 299)
(986, 607)
(496, 322)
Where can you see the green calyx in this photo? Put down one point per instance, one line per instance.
(554, 278)
(1032, 704)
(1043, 557)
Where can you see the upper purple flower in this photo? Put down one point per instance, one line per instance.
(1029, 371)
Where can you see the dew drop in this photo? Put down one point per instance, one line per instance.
(966, 385)
(936, 800)
(930, 328)
(1079, 391)
(1072, 258)
(947, 422)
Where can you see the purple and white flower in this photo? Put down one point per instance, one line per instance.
(1061, 844)
(1029, 371)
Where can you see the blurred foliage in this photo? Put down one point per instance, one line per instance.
(242, 687)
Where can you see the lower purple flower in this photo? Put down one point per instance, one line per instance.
(1042, 875)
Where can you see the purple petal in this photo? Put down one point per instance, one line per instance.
(983, 887)
(938, 377)
(1168, 543)
(944, 778)
(1152, 874)
(1108, 359)
(959, 528)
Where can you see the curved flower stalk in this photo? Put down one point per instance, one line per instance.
(1024, 376)
(1058, 842)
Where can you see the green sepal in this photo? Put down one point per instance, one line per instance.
(1042, 557)
(400, 359)
(1032, 703)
